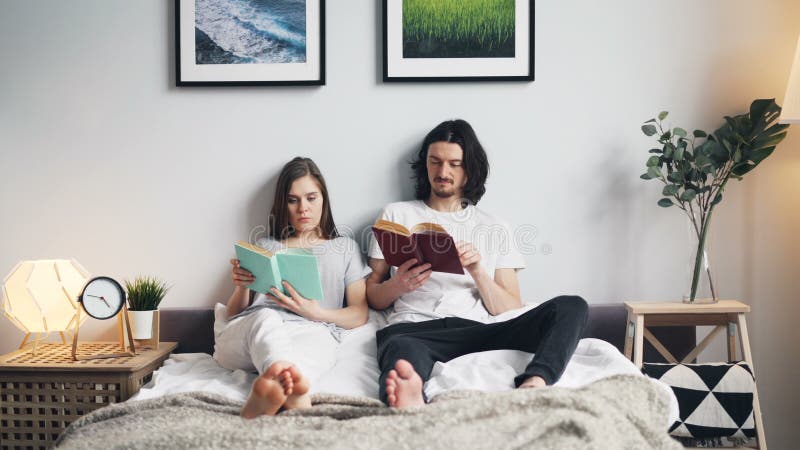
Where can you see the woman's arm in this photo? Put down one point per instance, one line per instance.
(240, 299)
(353, 315)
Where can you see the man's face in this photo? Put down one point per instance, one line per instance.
(445, 169)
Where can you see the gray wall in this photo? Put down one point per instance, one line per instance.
(104, 160)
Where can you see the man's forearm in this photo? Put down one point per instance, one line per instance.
(381, 295)
(496, 299)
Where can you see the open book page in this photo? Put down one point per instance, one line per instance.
(261, 264)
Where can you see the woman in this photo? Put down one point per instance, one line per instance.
(288, 339)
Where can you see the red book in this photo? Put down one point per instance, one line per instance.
(427, 242)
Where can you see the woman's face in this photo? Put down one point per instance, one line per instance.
(305, 205)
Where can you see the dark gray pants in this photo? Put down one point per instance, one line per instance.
(551, 331)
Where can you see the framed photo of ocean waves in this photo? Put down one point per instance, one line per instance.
(249, 42)
(458, 40)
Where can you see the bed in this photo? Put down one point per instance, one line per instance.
(601, 401)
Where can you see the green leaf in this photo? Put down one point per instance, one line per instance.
(645, 176)
(759, 155)
(649, 130)
(700, 134)
(665, 203)
(688, 195)
(651, 121)
(717, 198)
(670, 189)
(676, 177)
(655, 150)
(654, 172)
(653, 161)
(666, 136)
(678, 155)
(677, 131)
(662, 115)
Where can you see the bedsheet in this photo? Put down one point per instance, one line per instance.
(356, 371)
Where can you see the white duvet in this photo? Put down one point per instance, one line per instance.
(356, 370)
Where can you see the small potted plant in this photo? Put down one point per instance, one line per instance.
(144, 296)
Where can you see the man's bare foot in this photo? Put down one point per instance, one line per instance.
(533, 382)
(404, 386)
(299, 398)
(269, 391)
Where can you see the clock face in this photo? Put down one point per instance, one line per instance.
(102, 297)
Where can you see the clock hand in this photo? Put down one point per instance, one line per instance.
(101, 298)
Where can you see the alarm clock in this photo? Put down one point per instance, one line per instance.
(102, 298)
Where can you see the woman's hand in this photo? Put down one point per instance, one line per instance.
(241, 278)
(296, 303)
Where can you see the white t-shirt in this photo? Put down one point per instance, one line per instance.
(445, 294)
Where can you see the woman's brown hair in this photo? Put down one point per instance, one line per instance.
(279, 227)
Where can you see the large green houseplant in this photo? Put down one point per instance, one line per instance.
(695, 169)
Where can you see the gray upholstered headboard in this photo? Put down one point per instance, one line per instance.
(193, 329)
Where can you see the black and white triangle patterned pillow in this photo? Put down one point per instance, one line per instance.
(714, 399)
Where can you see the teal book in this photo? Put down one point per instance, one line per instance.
(296, 266)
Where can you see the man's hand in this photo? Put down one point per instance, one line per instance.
(295, 303)
(469, 256)
(409, 278)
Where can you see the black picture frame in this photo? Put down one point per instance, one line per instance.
(395, 69)
(189, 73)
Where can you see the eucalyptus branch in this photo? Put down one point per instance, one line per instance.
(697, 173)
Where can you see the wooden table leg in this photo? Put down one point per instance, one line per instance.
(629, 337)
(748, 357)
(638, 336)
(731, 341)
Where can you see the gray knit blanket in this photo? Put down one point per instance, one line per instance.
(619, 412)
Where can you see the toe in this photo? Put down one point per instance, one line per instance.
(404, 369)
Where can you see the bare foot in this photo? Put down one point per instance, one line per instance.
(404, 386)
(269, 391)
(299, 398)
(533, 382)
(266, 398)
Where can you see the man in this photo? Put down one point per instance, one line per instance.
(439, 316)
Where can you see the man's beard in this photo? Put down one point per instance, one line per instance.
(444, 193)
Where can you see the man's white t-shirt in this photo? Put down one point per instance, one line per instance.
(445, 294)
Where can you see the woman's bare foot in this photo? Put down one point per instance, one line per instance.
(299, 398)
(269, 392)
(533, 382)
(404, 386)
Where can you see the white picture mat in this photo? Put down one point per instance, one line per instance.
(190, 71)
(457, 67)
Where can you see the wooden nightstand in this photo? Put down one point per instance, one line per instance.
(41, 395)
(727, 315)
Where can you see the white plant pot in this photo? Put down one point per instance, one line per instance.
(142, 322)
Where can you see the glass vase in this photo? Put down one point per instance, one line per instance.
(701, 284)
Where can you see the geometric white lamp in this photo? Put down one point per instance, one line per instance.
(39, 297)
(791, 103)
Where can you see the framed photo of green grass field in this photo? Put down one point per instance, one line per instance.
(458, 40)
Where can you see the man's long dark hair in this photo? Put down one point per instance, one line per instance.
(475, 162)
(279, 227)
